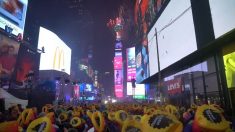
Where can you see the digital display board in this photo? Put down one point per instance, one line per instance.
(145, 14)
(118, 62)
(118, 45)
(138, 90)
(118, 76)
(76, 91)
(229, 63)
(131, 63)
(57, 54)
(142, 63)
(8, 56)
(13, 14)
(118, 91)
(174, 40)
(131, 57)
(223, 16)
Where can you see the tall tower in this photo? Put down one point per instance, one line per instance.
(117, 26)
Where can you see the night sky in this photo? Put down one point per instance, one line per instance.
(80, 24)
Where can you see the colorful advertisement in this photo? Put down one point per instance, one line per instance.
(118, 91)
(145, 14)
(13, 14)
(174, 86)
(118, 76)
(118, 62)
(142, 63)
(76, 91)
(138, 90)
(131, 65)
(229, 63)
(57, 54)
(8, 55)
(28, 61)
(118, 45)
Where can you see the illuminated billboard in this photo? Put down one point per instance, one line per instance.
(131, 57)
(139, 90)
(223, 16)
(118, 62)
(131, 65)
(57, 54)
(13, 14)
(8, 55)
(229, 63)
(174, 40)
(118, 45)
(118, 76)
(118, 91)
(142, 63)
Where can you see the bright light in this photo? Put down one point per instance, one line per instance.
(105, 102)
(114, 100)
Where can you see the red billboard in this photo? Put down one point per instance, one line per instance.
(119, 91)
(174, 86)
(118, 62)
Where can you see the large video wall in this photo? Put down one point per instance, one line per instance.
(13, 15)
(174, 40)
(57, 54)
(8, 56)
(223, 16)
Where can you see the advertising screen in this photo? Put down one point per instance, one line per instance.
(118, 76)
(229, 63)
(57, 54)
(139, 90)
(88, 88)
(131, 65)
(118, 91)
(142, 63)
(118, 54)
(118, 62)
(153, 62)
(13, 14)
(223, 16)
(76, 91)
(131, 57)
(118, 45)
(145, 14)
(8, 55)
(175, 41)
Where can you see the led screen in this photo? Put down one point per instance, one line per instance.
(13, 14)
(139, 90)
(118, 45)
(131, 57)
(223, 16)
(229, 63)
(118, 91)
(57, 54)
(8, 55)
(131, 65)
(153, 62)
(175, 40)
(145, 14)
(118, 76)
(142, 63)
(118, 62)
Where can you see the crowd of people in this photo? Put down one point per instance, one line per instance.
(117, 117)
